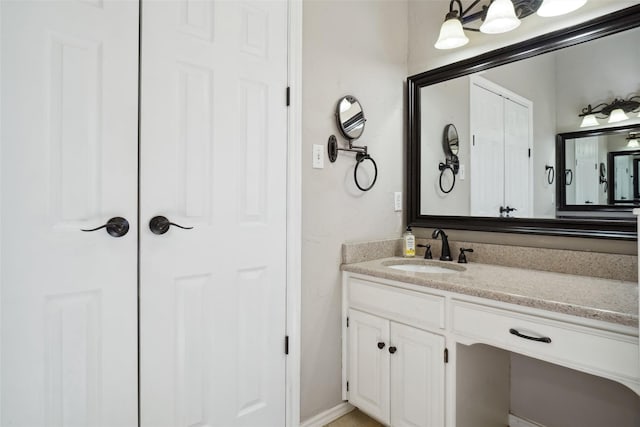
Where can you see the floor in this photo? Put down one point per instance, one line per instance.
(354, 419)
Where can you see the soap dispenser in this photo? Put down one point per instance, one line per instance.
(409, 244)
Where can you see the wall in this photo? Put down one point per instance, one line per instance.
(358, 48)
(425, 17)
(444, 103)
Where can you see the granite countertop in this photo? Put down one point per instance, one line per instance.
(608, 300)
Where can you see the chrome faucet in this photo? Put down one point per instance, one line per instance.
(446, 251)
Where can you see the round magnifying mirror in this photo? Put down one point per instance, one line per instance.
(450, 142)
(350, 117)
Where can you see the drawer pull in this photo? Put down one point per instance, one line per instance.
(540, 339)
(380, 345)
(392, 350)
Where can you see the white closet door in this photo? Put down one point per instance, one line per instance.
(213, 143)
(69, 161)
(487, 152)
(517, 172)
(587, 173)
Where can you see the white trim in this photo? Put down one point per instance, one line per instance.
(515, 421)
(328, 416)
(294, 212)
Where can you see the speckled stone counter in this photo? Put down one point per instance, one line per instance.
(590, 297)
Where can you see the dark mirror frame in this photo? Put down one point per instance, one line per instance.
(565, 210)
(617, 228)
(636, 161)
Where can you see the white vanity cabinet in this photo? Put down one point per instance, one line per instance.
(396, 351)
(396, 372)
(398, 336)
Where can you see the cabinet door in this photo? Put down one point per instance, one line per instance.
(417, 378)
(369, 364)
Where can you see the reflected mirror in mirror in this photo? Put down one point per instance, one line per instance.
(598, 169)
(507, 120)
(350, 117)
(450, 141)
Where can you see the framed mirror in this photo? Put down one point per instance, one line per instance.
(350, 117)
(541, 85)
(598, 171)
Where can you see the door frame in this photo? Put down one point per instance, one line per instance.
(294, 211)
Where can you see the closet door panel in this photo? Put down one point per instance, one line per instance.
(487, 152)
(213, 143)
(69, 162)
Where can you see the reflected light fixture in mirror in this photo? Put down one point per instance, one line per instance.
(501, 18)
(618, 115)
(616, 111)
(632, 141)
(497, 16)
(559, 7)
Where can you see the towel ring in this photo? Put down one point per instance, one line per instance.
(443, 168)
(360, 158)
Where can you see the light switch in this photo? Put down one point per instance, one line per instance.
(461, 172)
(397, 201)
(318, 156)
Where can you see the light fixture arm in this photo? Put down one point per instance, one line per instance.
(627, 105)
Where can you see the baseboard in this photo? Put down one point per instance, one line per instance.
(324, 418)
(515, 421)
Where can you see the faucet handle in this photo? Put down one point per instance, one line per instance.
(462, 258)
(427, 251)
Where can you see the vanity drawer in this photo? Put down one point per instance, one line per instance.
(423, 310)
(580, 347)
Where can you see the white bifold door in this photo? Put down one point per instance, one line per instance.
(137, 116)
(501, 172)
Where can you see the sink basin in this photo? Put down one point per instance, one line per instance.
(426, 268)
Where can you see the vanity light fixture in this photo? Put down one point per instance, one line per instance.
(633, 140)
(501, 18)
(616, 111)
(559, 7)
(497, 16)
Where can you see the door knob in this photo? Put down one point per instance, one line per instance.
(380, 345)
(392, 350)
(160, 225)
(116, 227)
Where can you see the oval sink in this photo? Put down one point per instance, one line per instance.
(420, 268)
(424, 266)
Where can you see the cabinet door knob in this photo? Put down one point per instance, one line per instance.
(392, 350)
(381, 345)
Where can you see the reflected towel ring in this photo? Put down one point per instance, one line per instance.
(551, 173)
(443, 168)
(568, 177)
(360, 157)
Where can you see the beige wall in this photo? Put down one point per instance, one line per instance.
(357, 48)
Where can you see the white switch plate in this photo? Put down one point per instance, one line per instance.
(397, 201)
(461, 172)
(318, 156)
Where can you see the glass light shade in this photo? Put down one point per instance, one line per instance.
(501, 17)
(589, 120)
(559, 7)
(633, 143)
(617, 115)
(451, 35)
